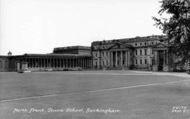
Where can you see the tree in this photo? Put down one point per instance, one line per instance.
(176, 26)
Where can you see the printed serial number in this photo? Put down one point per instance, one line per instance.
(180, 109)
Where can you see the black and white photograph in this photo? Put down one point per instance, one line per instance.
(94, 59)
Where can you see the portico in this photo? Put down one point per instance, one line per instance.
(54, 62)
(120, 58)
(161, 58)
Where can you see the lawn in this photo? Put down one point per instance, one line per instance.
(93, 95)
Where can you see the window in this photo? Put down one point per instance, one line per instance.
(136, 61)
(145, 51)
(153, 61)
(140, 52)
(136, 52)
(95, 55)
(140, 61)
(145, 61)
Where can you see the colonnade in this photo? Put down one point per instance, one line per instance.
(120, 58)
(57, 62)
(163, 54)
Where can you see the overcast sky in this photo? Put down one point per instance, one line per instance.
(37, 26)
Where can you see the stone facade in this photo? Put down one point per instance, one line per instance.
(4, 63)
(143, 53)
(66, 58)
(147, 53)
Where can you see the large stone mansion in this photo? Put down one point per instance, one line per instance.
(146, 53)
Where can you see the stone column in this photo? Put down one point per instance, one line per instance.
(86, 62)
(55, 62)
(46, 62)
(116, 58)
(49, 62)
(41, 62)
(71, 63)
(79, 62)
(76, 62)
(61, 62)
(49, 65)
(110, 58)
(167, 57)
(30, 63)
(164, 63)
(33, 64)
(155, 65)
(52, 62)
(83, 62)
(28, 60)
(121, 60)
(157, 57)
(126, 58)
(129, 58)
(66, 63)
(58, 61)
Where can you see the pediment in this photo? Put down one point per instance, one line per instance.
(160, 45)
(120, 45)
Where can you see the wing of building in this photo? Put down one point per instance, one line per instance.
(62, 58)
(145, 53)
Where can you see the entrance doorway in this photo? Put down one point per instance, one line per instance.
(160, 60)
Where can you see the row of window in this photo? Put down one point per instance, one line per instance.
(104, 63)
(144, 43)
(141, 61)
(141, 52)
(103, 54)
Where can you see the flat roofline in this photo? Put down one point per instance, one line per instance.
(51, 54)
(133, 39)
(73, 47)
